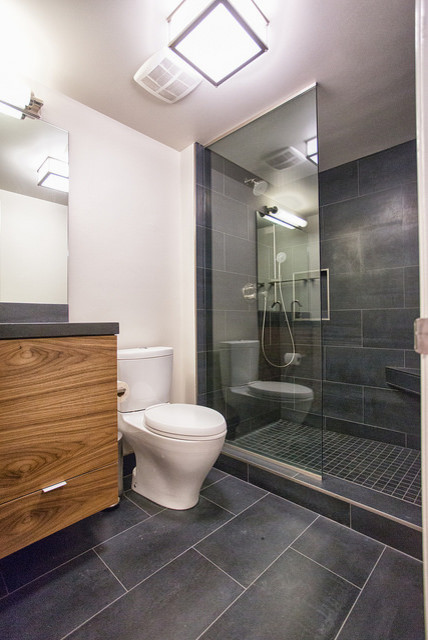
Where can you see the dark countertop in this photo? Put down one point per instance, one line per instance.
(56, 329)
(404, 378)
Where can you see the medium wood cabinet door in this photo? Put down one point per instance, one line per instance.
(57, 412)
(37, 515)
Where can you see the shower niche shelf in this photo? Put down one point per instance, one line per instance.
(403, 378)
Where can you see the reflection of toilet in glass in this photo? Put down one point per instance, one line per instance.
(175, 445)
(239, 365)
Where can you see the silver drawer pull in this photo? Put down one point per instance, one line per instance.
(54, 486)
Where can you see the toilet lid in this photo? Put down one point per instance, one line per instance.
(279, 390)
(188, 420)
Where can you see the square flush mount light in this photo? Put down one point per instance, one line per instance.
(53, 174)
(218, 38)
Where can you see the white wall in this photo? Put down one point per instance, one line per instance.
(33, 249)
(128, 233)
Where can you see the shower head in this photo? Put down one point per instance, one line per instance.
(259, 186)
(281, 257)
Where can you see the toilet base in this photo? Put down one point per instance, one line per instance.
(176, 502)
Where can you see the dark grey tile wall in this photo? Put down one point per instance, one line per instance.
(226, 261)
(369, 242)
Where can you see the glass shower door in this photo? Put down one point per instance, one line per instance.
(260, 287)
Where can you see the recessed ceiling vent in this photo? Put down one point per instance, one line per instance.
(285, 159)
(163, 76)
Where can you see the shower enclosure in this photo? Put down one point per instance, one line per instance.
(303, 319)
(261, 294)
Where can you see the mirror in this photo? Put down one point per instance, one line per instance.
(33, 219)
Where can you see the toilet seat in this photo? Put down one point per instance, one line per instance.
(184, 421)
(279, 390)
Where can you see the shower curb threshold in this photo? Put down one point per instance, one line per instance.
(382, 505)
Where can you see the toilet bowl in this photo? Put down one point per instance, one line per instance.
(239, 369)
(175, 445)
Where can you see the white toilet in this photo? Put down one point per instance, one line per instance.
(175, 445)
(239, 366)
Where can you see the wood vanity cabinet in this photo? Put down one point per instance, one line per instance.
(58, 426)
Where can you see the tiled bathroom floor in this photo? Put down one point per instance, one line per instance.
(387, 468)
(243, 564)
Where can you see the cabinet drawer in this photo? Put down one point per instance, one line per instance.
(57, 410)
(38, 514)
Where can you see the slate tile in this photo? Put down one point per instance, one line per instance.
(388, 168)
(233, 494)
(383, 248)
(228, 215)
(55, 604)
(233, 466)
(151, 508)
(396, 535)
(365, 212)
(339, 183)
(345, 552)
(227, 292)
(213, 476)
(342, 254)
(145, 548)
(343, 401)
(389, 328)
(367, 431)
(361, 366)
(179, 602)
(379, 289)
(343, 328)
(46, 554)
(391, 605)
(411, 286)
(392, 409)
(302, 494)
(251, 541)
(295, 599)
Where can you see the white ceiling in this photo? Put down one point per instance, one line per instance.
(360, 52)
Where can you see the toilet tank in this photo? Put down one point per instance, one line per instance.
(239, 362)
(148, 373)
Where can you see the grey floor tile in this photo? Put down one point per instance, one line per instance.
(46, 554)
(391, 604)
(178, 602)
(295, 599)
(151, 508)
(233, 494)
(57, 603)
(349, 554)
(247, 545)
(138, 552)
(3, 589)
(214, 476)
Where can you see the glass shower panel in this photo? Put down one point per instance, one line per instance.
(261, 287)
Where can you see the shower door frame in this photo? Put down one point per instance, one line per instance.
(422, 160)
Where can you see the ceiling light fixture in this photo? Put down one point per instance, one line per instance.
(283, 218)
(53, 173)
(218, 38)
(312, 150)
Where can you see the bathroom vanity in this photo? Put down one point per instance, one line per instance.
(58, 427)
